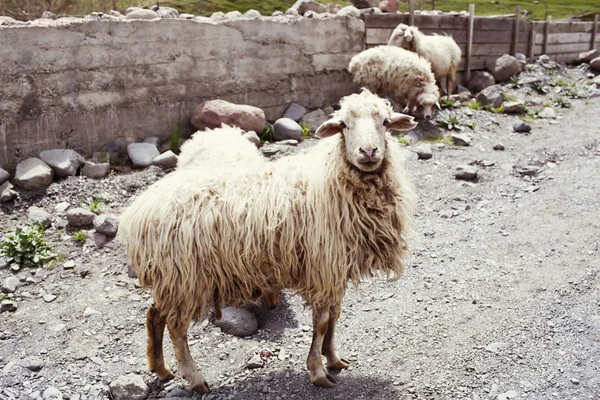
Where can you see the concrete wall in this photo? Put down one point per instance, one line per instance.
(76, 84)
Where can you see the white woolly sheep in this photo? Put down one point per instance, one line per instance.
(312, 222)
(398, 73)
(441, 51)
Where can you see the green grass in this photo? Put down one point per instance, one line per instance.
(267, 134)
(402, 140)
(174, 139)
(25, 247)
(475, 105)
(305, 130)
(94, 205)
(79, 237)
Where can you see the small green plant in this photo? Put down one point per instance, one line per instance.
(267, 134)
(26, 247)
(402, 140)
(562, 102)
(94, 205)
(515, 82)
(560, 82)
(80, 237)
(475, 105)
(449, 103)
(174, 139)
(532, 113)
(62, 257)
(436, 139)
(497, 110)
(471, 125)
(508, 97)
(449, 121)
(552, 72)
(305, 130)
(529, 67)
(540, 88)
(103, 157)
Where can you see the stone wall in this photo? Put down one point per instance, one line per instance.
(79, 84)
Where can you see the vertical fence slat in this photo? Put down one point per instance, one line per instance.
(546, 30)
(594, 32)
(469, 42)
(411, 12)
(515, 36)
(531, 42)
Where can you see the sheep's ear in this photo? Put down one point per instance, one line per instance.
(401, 122)
(330, 128)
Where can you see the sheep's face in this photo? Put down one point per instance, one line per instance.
(363, 122)
(425, 107)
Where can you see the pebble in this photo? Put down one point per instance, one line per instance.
(8, 305)
(237, 322)
(511, 394)
(90, 311)
(52, 393)
(465, 172)
(547, 112)
(168, 159)
(521, 127)
(10, 284)
(69, 264)
(33, 174)
(498, 147)
(294, 112)
(461, 140)
(142, 154)
(424, 152)
(49, 298)
(129, 387)
(496, 347)
(255, 362)
(80, 217)
(575, 381)
(286, 128)
(95, 170)
(62, 206)
(39, 216)
(106, 224)
(33, 363)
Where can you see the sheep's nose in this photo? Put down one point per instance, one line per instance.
(427, 116)
(368, 151)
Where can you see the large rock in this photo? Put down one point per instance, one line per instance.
(237, 322)
(360, 4)
(33, 174)
(106, 224)
(303, 6)
(64, 162)
(211, 114)
(389, 6)
(295, 111)
(481, 80)
(4, 175)
(129, 387)
(40, 216)
(168, 159)
(349, 11)
(286, 128)
(491, 96)
(314, 119)
(587, 56)
(6, 192)
(165, 12)
(142, 14)
(595, 64)
(505, 67)
(142, 154)
(79, 217)
(33, 363)
(95, 170)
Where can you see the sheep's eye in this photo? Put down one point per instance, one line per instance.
(342, 125)
(387, 121)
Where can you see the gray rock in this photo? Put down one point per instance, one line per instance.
(115, 13)
(291, 12)
(48, 15)
(4, 176)
(461, 140)
(505, 67)
(6, 192)
(255, 362)
(142, 154)
(314, 119)
(481, 80)
(253, 138)
(277, 13)
(594, 65)
(496, 347)
(465, 172)
(33, 174)
(52, 393)
(511, 394)
(8, 305)
(10, 284)
(528, 170)
(237, 322)
(132, 9)
(88, 312)
(234, 15)
(178, 393)
(574, 381)
(270, 150)
(142, 14)
(214, 113)
(153, 140)
(252, 14)
(491, 96)
(40, 216)
(288, 142)
(106, 224)
(521, 57)
(286, 128)
(100, 239)
(33, 363)
(217, 16)
(186, 16)
(513, 107)
(131, 272)
(547, 112)
(48, 298)
(424, 152)
(69, 265)
(349, 11)
(129, 387)
(3, 263)
(361, 4)
(521, 127)
(303, 6)
(165, 12)
(79, 217)
(295, 111)
(168, 159)
(95, 170)
(498, 147)
(587, 56)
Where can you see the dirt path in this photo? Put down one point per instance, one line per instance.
(502, 293)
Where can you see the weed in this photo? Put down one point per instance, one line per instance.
(471, 125)
(449, 121)
(529, 67)
(540, 88)
(435, 139)
(475, 105)
(62, 257)
(562, 102)
(515, 82)
(80, 237)
(560, 82)
(94, 205)
(174, 139)
(532, 113)
(267, 134)
(449, 103)
(305, 130)
(103, 157)
(25, 247)
(402, 140)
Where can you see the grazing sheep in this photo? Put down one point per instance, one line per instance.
(312, 222)
(441, 51)
(398, 73)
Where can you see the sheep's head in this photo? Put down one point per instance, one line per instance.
(426, 102)
(397, 38)
(363, 121)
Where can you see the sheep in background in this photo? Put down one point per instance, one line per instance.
(398, 73)
(441, 51)
(312, 222)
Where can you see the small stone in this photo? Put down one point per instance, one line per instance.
(100, 239)
(461, 140)
(107, 224)
(33, 363)
(6, 192)
(4, 176)
(80, 217)
(252, 14)
(521, 127)
(491, 96)
(10, 284)
(48, 298)
(142, 154)
(69, 264)
(498, 147)
(3, 263)
(547, 112)
(33, 174)
(39, 216)
(237, 322)
(8, 305)
(496, 347)
(587, 56)
(424, 152)
(64, 162)
(314, 119)
(349, 11)
(481, 80)
(575, 381)
(48, 15)
(302, 6)
(253, 138)
(288, 142)
(165, 12)
(186, 16)
(465, 172)
(286, 128)
(513, 107)
(52, 394)
(142, 14)
(95, 170)
(594, 65)
(88, 312)
(506, 67)
(168, 159)
(295, 112)
(270, 150)
(62, 206)
(511, 394)
(234, 15)
(129, 387)
(135, 297)
(255, 362)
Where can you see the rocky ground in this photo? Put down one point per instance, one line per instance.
(501, 298)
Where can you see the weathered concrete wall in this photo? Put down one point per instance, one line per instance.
(76, 84)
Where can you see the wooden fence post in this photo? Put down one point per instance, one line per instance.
(469, 42)
(546, 30)
(411, 12)
(515, 37)
(531, 42)
(594, 32)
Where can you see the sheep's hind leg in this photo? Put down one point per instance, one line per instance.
(187, 367)
(318, 374)
(334, 361)
(155, 329)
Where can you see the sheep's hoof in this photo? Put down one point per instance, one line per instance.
(339, 364)
(164, 375)
(324, 380)
(201, 387)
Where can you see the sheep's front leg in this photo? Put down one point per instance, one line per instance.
(271, 299)
(318, 374)
(334, 361)
(155, 328)
(187, 366)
